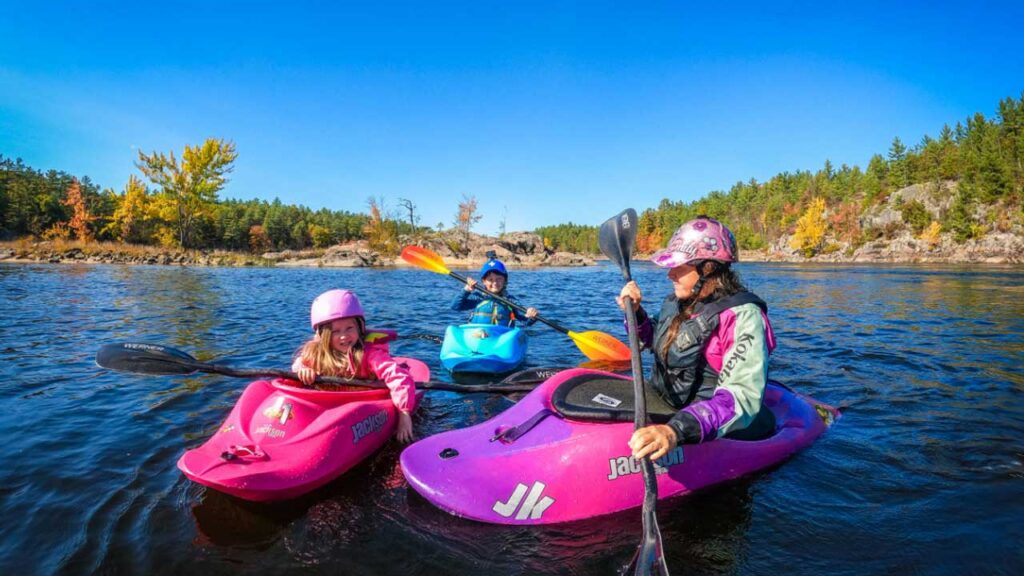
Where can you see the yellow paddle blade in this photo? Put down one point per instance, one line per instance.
(600, 346)
(424, 258)
(606, 365)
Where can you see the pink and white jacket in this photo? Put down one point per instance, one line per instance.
(716, 369)
(378, 364)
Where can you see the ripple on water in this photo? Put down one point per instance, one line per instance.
(916, 477)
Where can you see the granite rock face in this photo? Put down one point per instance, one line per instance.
(1002, 243)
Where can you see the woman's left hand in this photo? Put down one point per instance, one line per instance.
(403, 432)
(633, 291)
(531, 312)
(655, 441)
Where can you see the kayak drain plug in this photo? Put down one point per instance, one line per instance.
(448, 453)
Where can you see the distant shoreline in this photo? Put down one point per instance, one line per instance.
(72, 252)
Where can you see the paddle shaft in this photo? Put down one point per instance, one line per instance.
(640, 399)
(616, 238)
(652, 535)
(276, 373)
(509, 303)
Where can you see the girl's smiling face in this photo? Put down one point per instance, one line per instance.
(344, 334)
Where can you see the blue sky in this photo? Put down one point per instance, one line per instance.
(547, 112)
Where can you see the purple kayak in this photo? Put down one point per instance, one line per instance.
(560, 453)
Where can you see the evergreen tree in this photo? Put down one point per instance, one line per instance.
(898, 164)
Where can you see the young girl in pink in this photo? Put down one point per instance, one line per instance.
(340, 347)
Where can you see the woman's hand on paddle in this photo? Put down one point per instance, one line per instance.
(631, 290)
(531, 312)
(306, 375)
(654, 441)
(470, 283)
(403, 432)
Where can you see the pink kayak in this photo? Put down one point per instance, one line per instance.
(281, 441)
(560, 453)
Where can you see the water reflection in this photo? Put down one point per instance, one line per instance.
(705, 534)
(925, 361)
(223, 520)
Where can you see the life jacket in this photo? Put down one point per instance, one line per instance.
(493, 312)
(373, 338)
(685, 375)
(379, 336)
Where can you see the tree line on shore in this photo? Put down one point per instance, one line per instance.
(984, 157)
(183, 210)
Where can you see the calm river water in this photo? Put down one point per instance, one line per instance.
(924, 474)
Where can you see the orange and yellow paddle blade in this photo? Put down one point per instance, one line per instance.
(600, 346)
(424, 258)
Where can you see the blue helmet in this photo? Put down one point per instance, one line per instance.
(493, 265)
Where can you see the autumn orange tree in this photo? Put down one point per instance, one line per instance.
(648, 236)
(80, 217)
(465, 218)
(258, 240)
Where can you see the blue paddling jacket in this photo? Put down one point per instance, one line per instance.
(487, 310)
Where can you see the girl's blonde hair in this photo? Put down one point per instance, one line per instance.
(318, 355)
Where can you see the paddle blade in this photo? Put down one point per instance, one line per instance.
(600, 346)
(619, 366)
(145, 359)
(424, 258)
(617, 238)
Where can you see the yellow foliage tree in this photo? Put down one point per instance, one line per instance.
(127, 220)
(59, 232)
(810, 229)
(161, 210)
(931, 234)
(321, 236)
(379, 231)
(188, 188)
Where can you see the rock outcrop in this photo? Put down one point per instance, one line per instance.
(897, 243)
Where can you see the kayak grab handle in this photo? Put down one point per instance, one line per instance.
(510, 435)
(236, 452)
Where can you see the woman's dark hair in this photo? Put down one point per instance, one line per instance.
(720, 281)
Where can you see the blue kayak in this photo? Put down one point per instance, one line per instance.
(483, 348)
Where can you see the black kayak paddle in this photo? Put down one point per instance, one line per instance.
(153, 359)
(617, 238)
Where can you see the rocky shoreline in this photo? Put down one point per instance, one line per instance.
(520, 249)
(999, 248)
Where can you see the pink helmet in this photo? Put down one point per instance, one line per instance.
(334, 304)
(699, 239)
